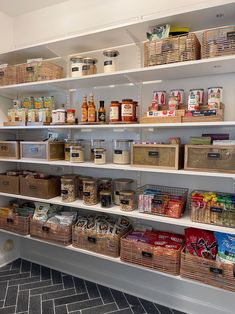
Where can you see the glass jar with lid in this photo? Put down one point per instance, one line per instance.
(106, 199)
(99, 156)
(120, 185)
(68, 188)
(77, 153)
(90, 193)
(68, 143)
(76, 66)
(127, 110)
(96, 143)
(89, 66)
(104, 184)
(71, 116)
(115, 111)
(80, 185)
(127, 200)
(122, 152)
(110, 60)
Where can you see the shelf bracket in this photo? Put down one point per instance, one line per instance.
(130, 79)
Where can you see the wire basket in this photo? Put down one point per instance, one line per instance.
(172, 49)
(15, 223)
(8, 75)
(218, 42)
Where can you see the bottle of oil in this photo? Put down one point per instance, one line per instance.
(101, 113)
(91, 110)
(84, 110)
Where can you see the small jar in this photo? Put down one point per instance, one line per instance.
(54, 116)
(68, 188)
(96, 143)
(127, 110)
(122, 152)
(61, 116)
(120, 185)
(89, 66)
(71, 116)
(127, 200)
(76, 66)
(77, 154)
(106, 199)
(99, 156)
(67, 145)
(90, 196)
(80, 185)
(115, 111)
(105, 184)
(110, 60)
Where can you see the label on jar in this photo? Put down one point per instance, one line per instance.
(109, 62)
(215, 270)
(75, 155)
(127, 110)
(114, 113)
(75, 69)
(118, 151)
(64, 192)
(98, 156)
(124, 202)
(85, 67)
(86, 193)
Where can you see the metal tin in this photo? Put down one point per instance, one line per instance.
(160, 97)
(178, 93)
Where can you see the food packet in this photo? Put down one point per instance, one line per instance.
(41, 211)
(226, 247)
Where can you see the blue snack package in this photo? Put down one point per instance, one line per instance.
(226, 247)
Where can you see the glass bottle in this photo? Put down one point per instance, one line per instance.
(84, 110)
(91, 110)
(102, 113)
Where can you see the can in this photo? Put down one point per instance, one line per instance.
(214, 97)
(200, 93)
(160, 97)
(178, 93)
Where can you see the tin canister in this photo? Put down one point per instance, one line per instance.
(160, 97)
(179, 93)
(200, 93)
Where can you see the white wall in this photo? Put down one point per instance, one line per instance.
(6, 32)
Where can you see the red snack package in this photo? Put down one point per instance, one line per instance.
(201, 243)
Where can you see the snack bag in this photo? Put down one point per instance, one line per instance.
(226, 247)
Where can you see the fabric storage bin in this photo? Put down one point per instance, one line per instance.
(15, 223)
(8, 75)
(9, 149)
(42, 150)
(172, 49)
(166, 156)
(218, 42)
(41, 188)
(49, 232)
(210, 158)
(38, 71)
(9, 184)
(211, 272)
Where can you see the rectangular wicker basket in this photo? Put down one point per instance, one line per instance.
(8, 75)
(15, 223)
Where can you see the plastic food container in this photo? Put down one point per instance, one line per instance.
(120, 185)
(90, 192)
(122, 152)
(110, 60)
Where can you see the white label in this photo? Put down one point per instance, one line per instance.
(127, 110)
(114, 113)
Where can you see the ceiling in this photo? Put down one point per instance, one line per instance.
(18, 7)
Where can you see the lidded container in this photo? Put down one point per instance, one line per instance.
(122, 152)
(99, 156)
(68, 143)
(128, 110)
(80, 185)
(104, 184)
(77, 151)
(89, 66)
(127, 200)
(106, 199)
(115, 111)
(96, 143)
(68, 188)
(71, 116)
(90, 192)
(121, 185)
(110, 60)
(76, 66)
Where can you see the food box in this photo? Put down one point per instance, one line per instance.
(9, 184)
(9, 149)
(42, 150)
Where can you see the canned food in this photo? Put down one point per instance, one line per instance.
(214, 97)
(179, 93)
(200, 93)
(160, 97)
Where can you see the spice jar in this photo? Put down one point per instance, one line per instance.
(120, 185)
(71, 116)
(99, 156)
(121, 152)
(68, 188)
(115, 111)
(76, 66)
(77, 154)
(106, 199)
(104, 184)
(127, 110)
(110, 60)
(90, 192)
(80, 185)
(89, 66)
(96, 143)
(127, 200)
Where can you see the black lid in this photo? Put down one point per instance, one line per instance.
(101, 103)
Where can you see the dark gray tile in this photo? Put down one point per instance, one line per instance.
(46, 289)
(68, 282)
(149, 306)
(9, 272)
(177, 312)
(105, 294)
(163, 309)
(134, 304)
(11, 296)
(126, 311)
(34, 285)
(6, 267)
(92, 290)
(25, 266)
(45, 273)
(61, 309)
(84, 304)
(1, 303)
(79, 285)
(8, 310)
(120, 299)
(23, 280)
(14, 276)
(48, 307)
(35, 305)
(3, 287)
(23, 301)
(71, 299)
(56, 277)
(58, 294)
(16, 264)
(101, 309)
(35, 269)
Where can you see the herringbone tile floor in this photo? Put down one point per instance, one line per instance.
(29, 288)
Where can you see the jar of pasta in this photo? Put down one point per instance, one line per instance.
(99, 156)
(122, 152)
(90, 195)
(120, 185)
(127, 200)
(68, 188)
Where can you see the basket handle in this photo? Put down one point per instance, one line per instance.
(216, 271)
(45, 228)
(147, 254)
(92, 240)
(10, 221)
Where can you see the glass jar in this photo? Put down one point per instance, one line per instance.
(76, 66)
(96, 143)
(80, 185)
(127, 110)
(106, 199)
(90, 196)
(68, 144)
(68, 188)
(121, 152)
(105, 184)
(54, 116)
(61, 116)
(120, 185)
(115, 111)
(127, 200)
(77, 154)
(99, 156)
(110, 60)
(89, 66)
(71, 116)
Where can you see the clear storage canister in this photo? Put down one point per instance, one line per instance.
(77, 154)
(90, 193)
(89, 66)
(120, 185)
(96, 143)
(80, 185)
(110, 60)
(106, 199)
(68, 188)
(68, 143)
(127, 200)
(105, 184)
(122, 152)
(76, 66)
(99, 156)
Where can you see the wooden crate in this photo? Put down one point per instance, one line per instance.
(42, 150)
(9, 149)
(218, 117)
(210, 158)
(9, 184)
(49, 232)
(211, 272)
(8, 75)
(165, 156)
(15, 223)
(146, 119)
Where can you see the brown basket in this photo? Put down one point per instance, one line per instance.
(46, 231)
(8, 75)
(211, 272)
(38, 71)
(218, 42)
(158, 258)
(15, 223)
(172, 49)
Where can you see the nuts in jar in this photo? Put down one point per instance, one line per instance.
(99, 156)
(115, 111)
(106, 199)
(80, 185)
(68, 188)
(90, 196)
(127, 200)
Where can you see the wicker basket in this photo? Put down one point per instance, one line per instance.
(213, 213)
(15, 223)
(158, 258)
(218, 42)
(49, 232)
(172, 49)
(211, 272)
(8, 75)
(38, 71)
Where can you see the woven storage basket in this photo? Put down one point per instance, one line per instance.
(49, 232)
(158, 258)
(211, 272)
(38, 71)
(218, 42)
(15, 223)
(172, 49)
(8, 75)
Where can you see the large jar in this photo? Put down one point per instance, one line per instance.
(120, 185)
(106, 199)
(90, 193)
(110, 60)
(67, 145)
(122, 152)
(89, 66)
(80, 185)
(115, 111)
(127, 200)
(105, 184)
(68, 188)
(127, 110)
(77, 154)
(99, 156)
(76, 66)
(96, 143)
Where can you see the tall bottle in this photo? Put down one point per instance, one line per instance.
(91, 110)
(84, 110)
(102, 113)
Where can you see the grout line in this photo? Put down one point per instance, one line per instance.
(17, 297)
